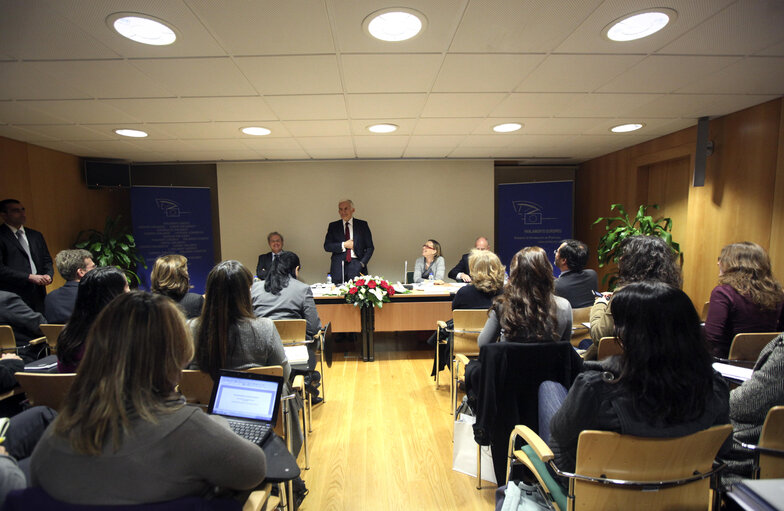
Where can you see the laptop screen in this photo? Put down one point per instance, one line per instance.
(247, 398)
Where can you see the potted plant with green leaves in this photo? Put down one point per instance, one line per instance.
(620, 227)
(114, 246)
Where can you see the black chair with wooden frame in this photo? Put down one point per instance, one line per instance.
(52, 331)
(769, 452)
(468, 324)
(293, 332)
(747, 347)
(608, 347)
(44, 389)
(615, 471)
(704, 312)
(8, 340)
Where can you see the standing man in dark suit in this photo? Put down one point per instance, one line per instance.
(25, 264)
(350, 242)
(460, 272)
(72, 265)
(275, 242)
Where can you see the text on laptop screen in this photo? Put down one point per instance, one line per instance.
(241, 397)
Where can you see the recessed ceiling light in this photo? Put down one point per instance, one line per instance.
(625, 128)
(131, 133)
(394, 24)
(382, 128)
(507, 127)
(639, 24)
(142, 28)
(256, 131)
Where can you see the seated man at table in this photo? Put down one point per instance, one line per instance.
(576, 282)
(461, 272)
(72, 265)
(275, 242)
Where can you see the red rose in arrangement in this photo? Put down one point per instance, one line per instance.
(353, 291)
(359, 283)
(372, 284)
(391, 291)
(367, 291)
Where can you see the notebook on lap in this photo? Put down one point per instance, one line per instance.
(250, 403)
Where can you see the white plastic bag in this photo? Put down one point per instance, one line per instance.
(464, 450)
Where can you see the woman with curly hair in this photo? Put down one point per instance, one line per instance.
(747, 299)
(642, 258)
(527, 310)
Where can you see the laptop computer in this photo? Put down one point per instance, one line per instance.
(250, 402)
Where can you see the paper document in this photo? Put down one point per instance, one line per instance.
(296, 354)
(734, 372)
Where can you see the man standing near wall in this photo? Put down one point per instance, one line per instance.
(350, 242)
(25, 264)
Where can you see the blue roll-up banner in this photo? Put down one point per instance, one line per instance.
(533, 214)
(169, 220)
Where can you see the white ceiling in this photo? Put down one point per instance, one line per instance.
(306, 70)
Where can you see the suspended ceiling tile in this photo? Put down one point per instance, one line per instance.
(449, 126)
(23, 112)
(197, 76)
(105, 78)
(294, 108)
(753, 75)
(70, 133)
(392, 73)
(576, 73)
(285, 154)
(307, 74)
(23, 80)
(371, 106)
(462, 104)
(659, 73)
(318, 128)
(159, 110)
(79, 111)
(253, 108)
(484, 73)
(263, 144)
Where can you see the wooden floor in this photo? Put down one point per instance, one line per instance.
(383, 438)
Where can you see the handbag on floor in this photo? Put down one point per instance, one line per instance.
(464, 448)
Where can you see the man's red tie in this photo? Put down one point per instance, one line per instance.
(348, 237)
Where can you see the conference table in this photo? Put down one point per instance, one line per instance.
(418, 309)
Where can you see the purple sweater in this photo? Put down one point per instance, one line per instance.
(731, 313)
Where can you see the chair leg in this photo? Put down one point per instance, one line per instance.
(437, 361)
(323, 378)
(478, 467)
(310, 412)
(305, 429)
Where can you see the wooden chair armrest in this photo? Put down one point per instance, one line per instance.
(38, 340)
(462, 359)
(257, 498)
(541, 449)
(441, 324)
(299, 383)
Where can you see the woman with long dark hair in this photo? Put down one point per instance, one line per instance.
(124, 435)
(663, 385)
(747, 299)
(527, 310)
(96, 289)
(170, 278)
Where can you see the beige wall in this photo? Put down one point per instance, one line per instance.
(404, 202)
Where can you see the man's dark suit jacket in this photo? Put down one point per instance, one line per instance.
(577, 287)
(59, 304)
(363, 248)
(23, 320)
(460, 267)
(15, 267)
(265, 261)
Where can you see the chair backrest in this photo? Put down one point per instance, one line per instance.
(274, 371)
(748, 346)
(608, 346)
(409, 277)
(46, 389)
(291, 330)
(772, 437)
(7, 338)
(604, 454)
(580, 316)
(52, 332)
(196, 386)
(468, 323)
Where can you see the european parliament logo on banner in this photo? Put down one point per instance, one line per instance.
(533, 214)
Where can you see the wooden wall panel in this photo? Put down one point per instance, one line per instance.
(777, 226)
(736, 203)
(51, 186)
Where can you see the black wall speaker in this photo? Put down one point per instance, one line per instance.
(102, 173)
(704, 149)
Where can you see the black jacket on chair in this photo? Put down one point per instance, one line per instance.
(508, 389)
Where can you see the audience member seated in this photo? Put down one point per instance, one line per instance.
(641, 258)
(170, 278)
(430, 264)
(486, 284)
(663, 386)
(24, 431)
(461, 272)
(23, 320)
(576, 282)
(72, 265)
(747, 299)
(227, 335)
(275, 242)
(749, 405)
(527, 310)
(96, 290)
(124, 435)
(10, 364)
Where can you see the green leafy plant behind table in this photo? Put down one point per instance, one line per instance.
(366, 291)
(618, 228)
(114, 246)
